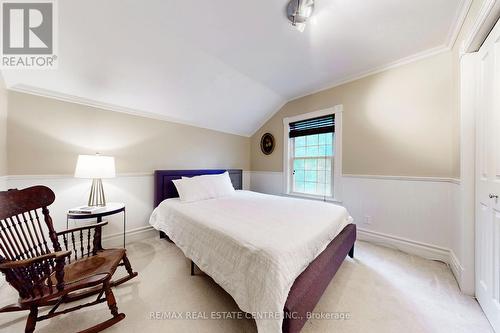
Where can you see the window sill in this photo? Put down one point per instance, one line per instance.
(312, 197)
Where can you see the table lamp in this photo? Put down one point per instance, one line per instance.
(95, 167)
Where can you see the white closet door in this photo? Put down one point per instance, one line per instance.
(488, 178)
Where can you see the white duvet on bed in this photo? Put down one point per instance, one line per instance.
(253, 245)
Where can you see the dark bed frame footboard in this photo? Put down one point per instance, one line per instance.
(310, 284)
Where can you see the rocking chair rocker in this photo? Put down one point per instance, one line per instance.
(46, 275)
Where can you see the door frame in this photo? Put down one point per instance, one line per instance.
(485, 21)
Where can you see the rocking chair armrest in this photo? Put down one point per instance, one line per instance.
(92, 226)
(31, 261)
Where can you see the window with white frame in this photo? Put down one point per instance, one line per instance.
(311, 154)
(312, 160)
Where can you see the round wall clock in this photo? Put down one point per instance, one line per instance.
(267, 143)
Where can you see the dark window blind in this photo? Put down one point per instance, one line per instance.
(319, 125)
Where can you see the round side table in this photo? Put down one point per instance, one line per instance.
(111, 208)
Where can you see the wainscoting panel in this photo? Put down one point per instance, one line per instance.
(135, 190)
(421, 211)
(415, 215)
(267, 182)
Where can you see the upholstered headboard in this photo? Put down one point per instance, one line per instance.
(165, 188)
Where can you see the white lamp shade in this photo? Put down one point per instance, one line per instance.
(95, 167)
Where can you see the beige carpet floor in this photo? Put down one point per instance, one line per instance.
(381, 290)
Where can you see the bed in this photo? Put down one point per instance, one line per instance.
(306, 289)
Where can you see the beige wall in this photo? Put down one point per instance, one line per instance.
(398, 122)
(45, 137)
(404, 121)
(401, 122)
(3, 128)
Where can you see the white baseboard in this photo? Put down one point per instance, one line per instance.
(409, 246)
(456, 268)
(131, 236)
(420, 249)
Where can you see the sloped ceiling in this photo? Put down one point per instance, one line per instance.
(224, 64)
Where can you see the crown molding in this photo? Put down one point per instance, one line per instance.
(485, 20)
(362, 75)
(376, 70)
(460, 17)
(453, 33)
(32, 90)
(445, 47)
(268, 117)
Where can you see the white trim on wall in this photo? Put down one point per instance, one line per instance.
(32, 90)
(458, 272)
(406, 245)
(486, 19)
(465, 242)
(131, 236)
(423, 250)
(464, 255)
(409, 178)
(459, 21)
(274, 174)
(446, 46)
(337, 170)
(418, 215)
(425, 203)
(361, 75)
(135, 190)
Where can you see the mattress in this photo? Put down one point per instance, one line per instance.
(253, 245)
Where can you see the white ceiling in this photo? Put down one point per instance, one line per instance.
(225, 64)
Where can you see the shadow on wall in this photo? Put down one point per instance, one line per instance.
(59, 158)
(396, 123)
(397, 127)
(53, 149)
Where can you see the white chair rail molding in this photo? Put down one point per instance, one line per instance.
(334, 167)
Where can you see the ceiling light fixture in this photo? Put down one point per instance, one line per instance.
(298, 11)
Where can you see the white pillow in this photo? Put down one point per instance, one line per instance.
(189, 190)
(221, 184)
(204, 187)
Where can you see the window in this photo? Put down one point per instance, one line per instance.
(312, 157)
(312, 154)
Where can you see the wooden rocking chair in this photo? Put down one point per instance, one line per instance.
(43, 273)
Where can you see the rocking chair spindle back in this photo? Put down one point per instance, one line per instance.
(34, 263)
